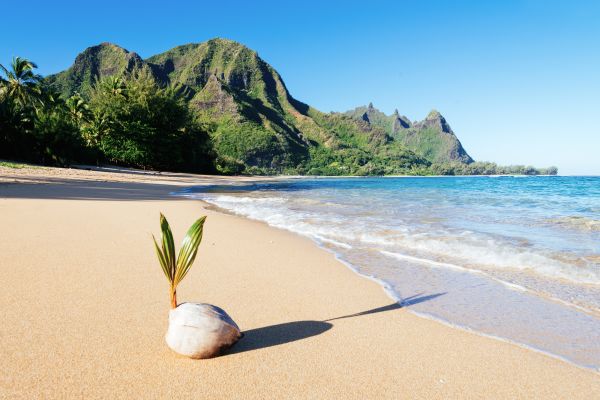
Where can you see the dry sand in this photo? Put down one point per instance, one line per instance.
(84, 309)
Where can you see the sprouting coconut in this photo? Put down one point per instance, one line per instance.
(195, 330)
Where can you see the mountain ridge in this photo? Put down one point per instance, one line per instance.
(431, 137)
(258, 124)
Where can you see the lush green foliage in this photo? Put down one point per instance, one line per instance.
(242, 144)
(488, 168)
(21, 84)
(34, 121)
(431, 138)
(95, 63)
(56, 134)
(137, 123)
(16, 140)
(129, 120)
(174, 267)
(354, 150)
(210, 107)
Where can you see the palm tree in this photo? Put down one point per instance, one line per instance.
(2, 83)
(21, 84)
(95, 128)
(78, 108)
(114, 85)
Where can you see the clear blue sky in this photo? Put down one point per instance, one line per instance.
(518, 81)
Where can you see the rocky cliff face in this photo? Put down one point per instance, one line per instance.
(399, 122)
(257, 123)
(436, 121)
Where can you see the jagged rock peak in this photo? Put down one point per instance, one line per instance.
(434, 114)
(370, 107)
(225, 41)
(231, 44)
(107, 46)
(435, 119)
(95, 62)
(400, 122)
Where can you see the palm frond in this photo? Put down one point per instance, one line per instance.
(5, 70)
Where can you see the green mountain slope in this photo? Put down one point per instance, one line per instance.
(105, 59)
(431, 138)
(231, 87)
(256, 126)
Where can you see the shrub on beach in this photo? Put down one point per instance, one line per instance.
(128, 120)
(137, 123)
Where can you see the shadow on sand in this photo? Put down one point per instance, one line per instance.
(74, 189)
(275, 335)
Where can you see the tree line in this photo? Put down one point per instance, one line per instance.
(488, 168)
(132, 121)
(127, 120)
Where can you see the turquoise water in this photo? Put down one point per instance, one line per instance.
(512, 257)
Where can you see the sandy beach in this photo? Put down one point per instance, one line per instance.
(84, 308)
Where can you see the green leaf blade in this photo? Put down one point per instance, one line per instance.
(161, 258)
(189, 249)
(168, 246)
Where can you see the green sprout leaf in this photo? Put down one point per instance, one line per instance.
(176, 268)
(189, 249)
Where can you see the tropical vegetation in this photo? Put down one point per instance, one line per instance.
(212, 107)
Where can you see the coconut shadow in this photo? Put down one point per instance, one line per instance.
(275, 335)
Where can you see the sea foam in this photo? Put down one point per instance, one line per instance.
(512, 258)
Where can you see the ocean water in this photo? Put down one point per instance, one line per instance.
(516, 258)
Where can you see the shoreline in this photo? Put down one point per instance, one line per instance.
(371, 348)
(386, 288)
